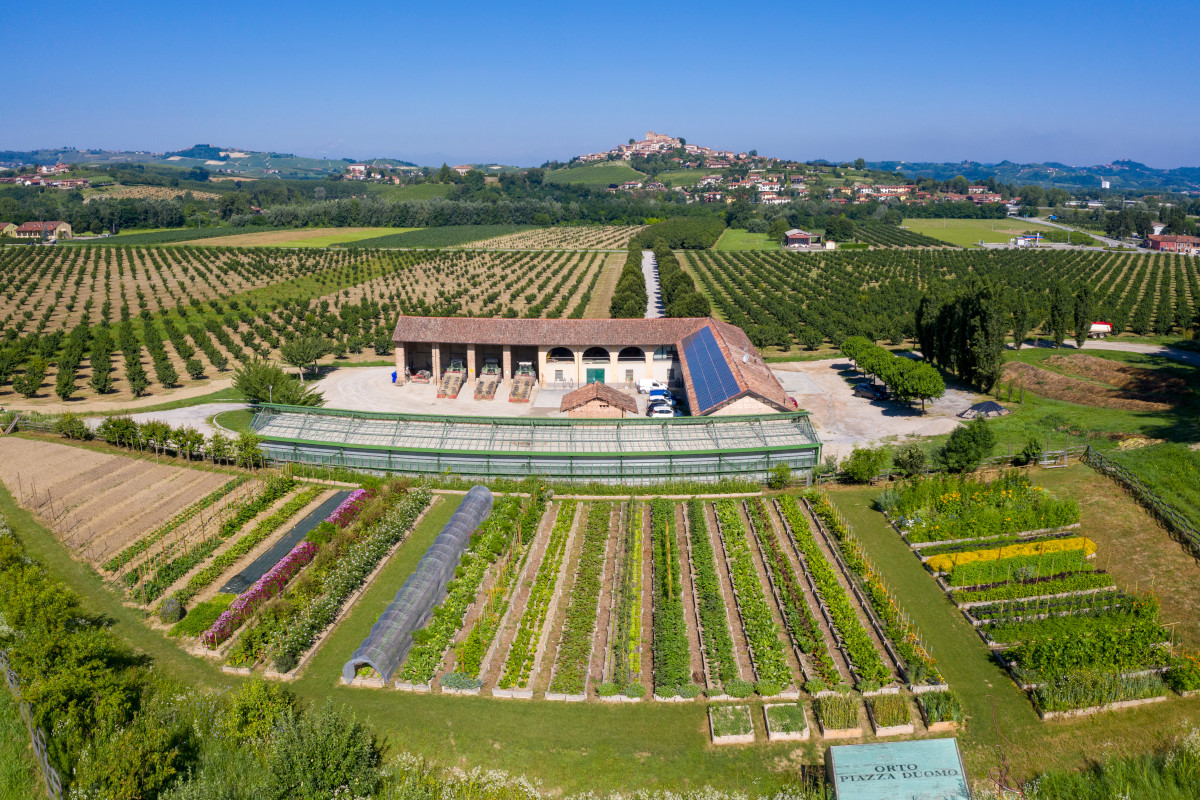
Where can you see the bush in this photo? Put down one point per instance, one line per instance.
(780, 477)
(72, 427)
(1030, 454)
(910, 459)
(171, 611)
(864, 464)
(739, 688)
(634, 690)
(967, 446)
(315, 754)
(262, 382)
(608, 690)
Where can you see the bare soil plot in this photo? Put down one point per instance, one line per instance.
(97, 516)
(268, 238)
(1087, 393)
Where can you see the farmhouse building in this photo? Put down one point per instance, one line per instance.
(8, 229)
(712, 362)
(597, 401)
(1188, 245)
(797, 238)
(44, 230)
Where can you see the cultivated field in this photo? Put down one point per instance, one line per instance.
(98, 503)
(774, 295)
(147, 193)
(598, 175)
(590, 238)
(303, 237)
(738, 239)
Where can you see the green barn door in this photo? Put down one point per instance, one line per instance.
(595, 375)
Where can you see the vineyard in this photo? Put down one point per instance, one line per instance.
(186, 313)
(784, 299)
(591, 238)
(1009, 557)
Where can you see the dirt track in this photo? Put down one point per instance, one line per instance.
(843, 420)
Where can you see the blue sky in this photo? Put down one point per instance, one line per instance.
(1081, 83)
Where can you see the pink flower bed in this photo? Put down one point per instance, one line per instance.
(264, 589)
(345, 513)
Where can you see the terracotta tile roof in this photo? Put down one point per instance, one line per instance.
(598, 391)
(1174, 238)
(466, 330)
(25, 227)
(753, 376)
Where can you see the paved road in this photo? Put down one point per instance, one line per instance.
(192, 416)
(654, 303)
(1094, 235)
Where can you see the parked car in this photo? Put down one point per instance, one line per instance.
(646, 385)
(661, 395)
(662, 411)
(870, 391)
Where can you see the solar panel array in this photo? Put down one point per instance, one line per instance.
(711, 376)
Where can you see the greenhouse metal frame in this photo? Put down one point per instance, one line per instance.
(603, 450)
(390, 639)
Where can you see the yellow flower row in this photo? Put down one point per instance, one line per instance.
(946, 562)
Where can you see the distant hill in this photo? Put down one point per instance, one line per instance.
(1120, 174)
(219, 160)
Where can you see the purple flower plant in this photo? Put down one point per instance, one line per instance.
(345, 513)
(264, 589)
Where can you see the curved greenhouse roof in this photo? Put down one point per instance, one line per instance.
(390, 639)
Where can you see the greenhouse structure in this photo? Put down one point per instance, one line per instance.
(631, 451)
(390, 639)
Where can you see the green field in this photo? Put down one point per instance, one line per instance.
(969, 232)
(353, 235)
(416, 191)
(682, 177)
(597, 175)
(444, 236)
(738, 239)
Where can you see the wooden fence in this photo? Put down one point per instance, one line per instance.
(1178, 524)
(37, 738)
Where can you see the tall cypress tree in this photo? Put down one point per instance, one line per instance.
(1062, 306)
(1085, 308)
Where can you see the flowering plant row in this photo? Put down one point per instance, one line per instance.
(858, 643)
(349, 509)
(762, 634)
(1035, 587)
(800, 622)
(948, 561)
(245, 544)
(524, 646)
(903, 636)
(1003, 570)
(488, 542)
(672, 656)
(347, 574)
(718, 646)
(266, 587)
(958, 507)
(575, 644)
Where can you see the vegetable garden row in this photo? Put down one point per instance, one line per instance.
(1010, 557)
(623, 601)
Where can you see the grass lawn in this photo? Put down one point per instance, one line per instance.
(19, 775)
(229, 395)
(599, 175)
(1053, 421)
(969, 232)
(237, 420)
(738, 239)
(682, 177)
(1001, 721)
(351, 235)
